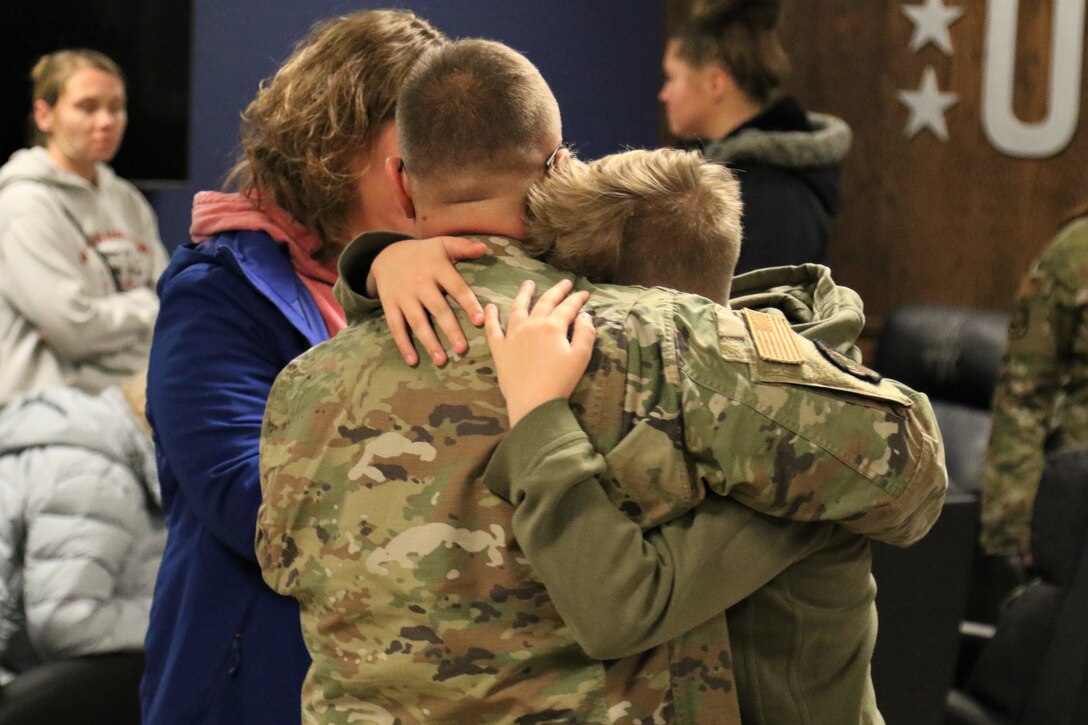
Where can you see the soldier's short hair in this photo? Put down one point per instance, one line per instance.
(665, 217)
(474, 104)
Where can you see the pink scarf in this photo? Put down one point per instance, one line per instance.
(214, 212)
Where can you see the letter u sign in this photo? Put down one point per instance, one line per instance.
(1006, 132)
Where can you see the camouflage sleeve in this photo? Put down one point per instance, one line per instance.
(1028, 388)
(811, 436)
(273, 537)
(636, 589)
(816, 307)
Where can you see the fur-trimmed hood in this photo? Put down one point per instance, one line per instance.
(808, 145)
(827, 143)
(786, 135)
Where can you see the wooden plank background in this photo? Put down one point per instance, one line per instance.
(923, 220)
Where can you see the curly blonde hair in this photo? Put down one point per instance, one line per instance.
(322, 109)
(663, 218)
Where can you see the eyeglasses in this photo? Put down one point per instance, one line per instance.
(549, 164)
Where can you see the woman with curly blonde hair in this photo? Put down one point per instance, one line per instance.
(251, 292)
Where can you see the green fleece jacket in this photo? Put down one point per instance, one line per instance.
(799, 596)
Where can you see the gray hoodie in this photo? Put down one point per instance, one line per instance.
(78, 266)
(81, 534)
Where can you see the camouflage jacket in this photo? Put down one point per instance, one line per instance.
(1041, 400)
(416, 601)
(798, 597)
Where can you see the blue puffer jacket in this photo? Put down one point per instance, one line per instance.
(221, 647)
(80, 529)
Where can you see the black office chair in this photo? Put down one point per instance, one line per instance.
(952, 354)
(920, 600)
(93, 690)
(925, 592)
(1033, 670)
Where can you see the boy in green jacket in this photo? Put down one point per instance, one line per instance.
(639, 217)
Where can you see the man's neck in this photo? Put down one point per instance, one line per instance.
(501, 216)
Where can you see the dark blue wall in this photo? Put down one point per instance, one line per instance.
(601, 58)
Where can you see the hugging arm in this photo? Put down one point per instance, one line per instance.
(412, 279)
(619, 589)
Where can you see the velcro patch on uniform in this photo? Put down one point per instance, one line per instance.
(775, 340)
(847, 365)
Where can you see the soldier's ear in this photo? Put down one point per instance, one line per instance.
(402, 187)
(561, 157)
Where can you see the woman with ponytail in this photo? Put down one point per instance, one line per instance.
(723, 73)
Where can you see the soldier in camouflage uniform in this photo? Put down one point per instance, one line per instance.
(418, 604)
(1041, 400)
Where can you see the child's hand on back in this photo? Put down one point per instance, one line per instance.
(534, 359)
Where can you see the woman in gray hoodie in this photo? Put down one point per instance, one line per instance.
(79, 247)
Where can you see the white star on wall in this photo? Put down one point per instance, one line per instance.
(927, 106)
(931, 23)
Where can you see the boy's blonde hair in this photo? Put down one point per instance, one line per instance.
(664, 218)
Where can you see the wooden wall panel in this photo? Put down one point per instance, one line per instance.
(924, 220)
(953, 222)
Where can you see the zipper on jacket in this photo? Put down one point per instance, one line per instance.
(235, 654)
